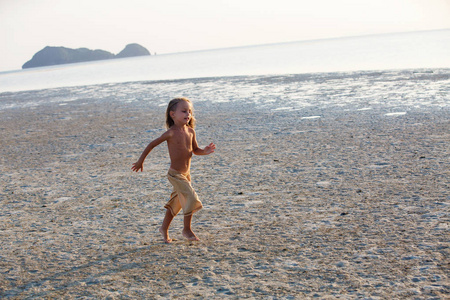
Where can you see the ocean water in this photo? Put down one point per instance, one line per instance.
(391, 93)
(416, 50)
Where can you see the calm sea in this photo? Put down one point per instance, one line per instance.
(427, 49)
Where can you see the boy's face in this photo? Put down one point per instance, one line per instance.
(182, 114)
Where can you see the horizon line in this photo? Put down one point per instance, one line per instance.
(276, 43)
(298, 41)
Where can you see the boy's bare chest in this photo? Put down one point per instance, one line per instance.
(182, 140)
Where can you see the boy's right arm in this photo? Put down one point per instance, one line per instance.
(139, 165)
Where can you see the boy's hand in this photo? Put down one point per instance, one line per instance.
(210, 148)
(137, 166)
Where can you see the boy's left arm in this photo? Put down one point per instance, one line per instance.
(199, 151)
(207, 150)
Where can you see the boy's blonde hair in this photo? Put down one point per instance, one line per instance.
(173, 106)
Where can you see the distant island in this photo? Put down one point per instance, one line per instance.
(50, 56)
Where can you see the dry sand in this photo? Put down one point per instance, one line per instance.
(348, 205)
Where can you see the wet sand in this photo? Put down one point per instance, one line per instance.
(298, 204)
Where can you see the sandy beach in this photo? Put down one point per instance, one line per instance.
(329, 201)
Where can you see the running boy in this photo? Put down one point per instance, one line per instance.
(181, 141)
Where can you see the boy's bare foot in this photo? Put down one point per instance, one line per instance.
(190, 235)
(165, 235)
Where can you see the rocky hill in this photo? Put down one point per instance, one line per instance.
(50, 56)
(133, 50)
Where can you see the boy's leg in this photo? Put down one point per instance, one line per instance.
(187, 231)
(164, 229)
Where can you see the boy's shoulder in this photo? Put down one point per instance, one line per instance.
(191, 130)
(168, 133)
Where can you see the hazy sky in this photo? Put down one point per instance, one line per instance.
(165, 26)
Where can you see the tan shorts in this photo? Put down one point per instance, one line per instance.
(183, 195)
